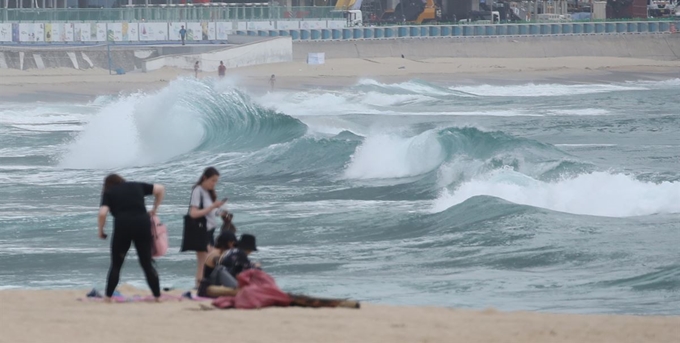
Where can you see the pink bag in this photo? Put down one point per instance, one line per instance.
(159, 234)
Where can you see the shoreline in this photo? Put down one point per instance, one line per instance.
(63, 318)
(60, 84)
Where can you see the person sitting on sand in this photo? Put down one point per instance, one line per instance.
(225, 242)
(131, 224)
(236, 260)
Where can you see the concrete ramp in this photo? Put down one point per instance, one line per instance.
(262, 51)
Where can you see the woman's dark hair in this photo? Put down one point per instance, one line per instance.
(208, 173)
(112, 180)
(224, 239)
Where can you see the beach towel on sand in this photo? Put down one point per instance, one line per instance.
(117, 297)
(256, 290)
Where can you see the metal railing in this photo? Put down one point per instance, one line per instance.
(168, 13)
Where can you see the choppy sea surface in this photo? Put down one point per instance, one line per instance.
(547, 197)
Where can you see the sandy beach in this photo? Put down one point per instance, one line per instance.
(57, 316)
(70, 84)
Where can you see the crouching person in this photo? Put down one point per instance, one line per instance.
(214, 274)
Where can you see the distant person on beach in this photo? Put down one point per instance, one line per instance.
(196, 67)
(182, 34)
(131, 223)
(236, 260)
(204, 204)
(272, 81)
(221, 70)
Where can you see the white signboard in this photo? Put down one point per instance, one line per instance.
(54, 32)
(68, 32)
(29, 32)
(114, 32)
(260, 25)
(5, 32)
(211, 29)
(130, 32)
(287, 25)
(316, 58)
(223, 29)
(101, 32)
(312, 24)
(153, 31)
(194, 32)
(81, 32)
(336, 24)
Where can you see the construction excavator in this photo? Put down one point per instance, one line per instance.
(413, 12)
(406, 12)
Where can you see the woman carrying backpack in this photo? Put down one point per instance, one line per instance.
(201, 221)
(131, 223)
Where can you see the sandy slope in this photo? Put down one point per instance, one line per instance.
(50, 84)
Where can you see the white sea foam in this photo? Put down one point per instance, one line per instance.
(543, 90)
(599, 193)
(392, 156)
(136, 130)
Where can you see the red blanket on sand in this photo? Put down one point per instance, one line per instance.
(256, 290)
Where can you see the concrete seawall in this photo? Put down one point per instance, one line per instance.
(650, 46)
(242, 51)
(74, 57)
(263, 51)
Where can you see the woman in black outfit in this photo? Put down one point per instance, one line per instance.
(131, 223)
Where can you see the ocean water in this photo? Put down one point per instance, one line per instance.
(545, 197)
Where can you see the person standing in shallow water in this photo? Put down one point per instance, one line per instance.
(131, 224)
(204, 203)
(196, 67)
(221, 70)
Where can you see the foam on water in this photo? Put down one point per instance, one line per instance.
(597, 193)
(543, 90)
(580, 112)
(391, 156)
(138, 129)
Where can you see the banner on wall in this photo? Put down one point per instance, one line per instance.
(312, 24)
(100, 31)
(153, 31)
(194, 31)
(5, 32)
(222, 30)
(260, 25)
(30, 32)
(68, 32)
(131, 31)
(336, 24)
(81, 32)
(287, 25)
(207, 30)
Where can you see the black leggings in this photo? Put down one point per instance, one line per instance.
(126, 231)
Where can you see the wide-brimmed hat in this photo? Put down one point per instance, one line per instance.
(247, 242)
